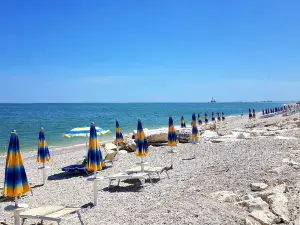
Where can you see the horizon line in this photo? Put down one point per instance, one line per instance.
(263, 101)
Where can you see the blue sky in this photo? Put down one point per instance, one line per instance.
(149, 51)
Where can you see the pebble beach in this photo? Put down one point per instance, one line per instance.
(243, 173)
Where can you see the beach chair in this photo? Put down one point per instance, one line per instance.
(148, 169)
(53, 213)
(81, 168)
(129, 176)
(109, 158)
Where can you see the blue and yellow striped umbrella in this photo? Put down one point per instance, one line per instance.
(199, 119)
(253, 114)
(142, 143)
(195, 133)
(182, 122)
(15, 183)
(119, 135)
(223, 116)
(43, 154)
(94, 159)
(250, 114)
(212, 117)
(218, 116)
(172, 136)
(206, 118)
(84, 132)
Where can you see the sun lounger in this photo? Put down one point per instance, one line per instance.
(54, 213)
(148, 169)
(128, 176)
(81, 168)
(110, 157)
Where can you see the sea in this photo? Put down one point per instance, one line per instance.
(57, 119)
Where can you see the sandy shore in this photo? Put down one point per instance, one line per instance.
(222, 163)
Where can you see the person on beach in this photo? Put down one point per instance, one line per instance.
(206, 118)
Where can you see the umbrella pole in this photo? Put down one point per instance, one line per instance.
(142, 164)
(95, 190)
(16, 212)
(194, 148)
(172, 157)
(44, 173)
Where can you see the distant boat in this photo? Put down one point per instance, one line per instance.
(213, 100)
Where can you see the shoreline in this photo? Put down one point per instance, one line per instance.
(103, 140)
(61, 148)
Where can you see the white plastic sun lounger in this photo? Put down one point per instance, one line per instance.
(54, 213)
(125, 176)
(148, 169)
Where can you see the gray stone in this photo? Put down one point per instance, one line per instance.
(241, 136)
(256, 204)
(250, 221)
(265, 217)
(208, 134)
(279, 206)
(225, 196)
(258, 186)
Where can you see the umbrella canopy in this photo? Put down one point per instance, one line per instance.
(172, 136)
(250, 114)
(218, 115)
(212, 117)
(142, 143)
(94, 158)
(15, 183)
(199, 119)
(182, 122)
(119, 135)
(84, 132)
(43, 154)
(223, 116)
(253, 114)
(206, 118)
(195, 133)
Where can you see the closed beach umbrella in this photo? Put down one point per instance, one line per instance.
(94, 156)
(223, 116)
(142, 143)
(43, 154)
(250, 114)
(206, 118)
(219, 118)
(172, 136)
(119, 135)
(253, 114)
(15, 182)
(195, 133)
(212, 117)
(182, 122)
(263, 111)
(199, 119)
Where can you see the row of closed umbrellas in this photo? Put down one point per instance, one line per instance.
(16, 182)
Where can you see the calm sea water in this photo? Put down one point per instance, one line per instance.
(59, 118)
